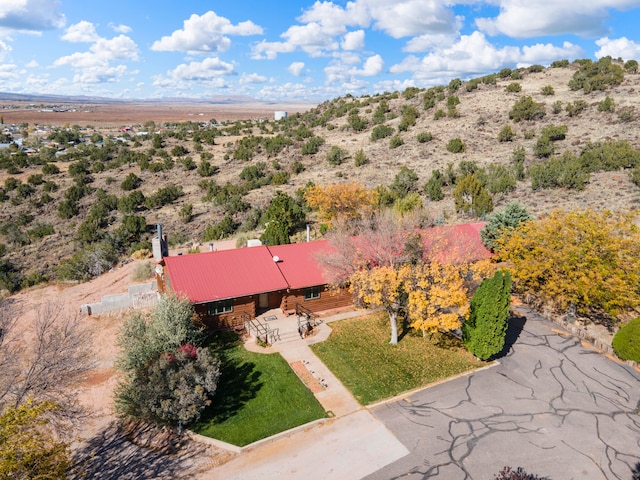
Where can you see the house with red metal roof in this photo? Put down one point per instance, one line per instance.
(228, 287)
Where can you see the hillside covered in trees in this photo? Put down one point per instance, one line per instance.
(78, 199)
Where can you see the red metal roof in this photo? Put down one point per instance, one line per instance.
(211, 276)
(298, 263)
(455, 243)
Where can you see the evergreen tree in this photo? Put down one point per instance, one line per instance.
(484, 331)
(503, 222)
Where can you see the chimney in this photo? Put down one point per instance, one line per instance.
(159, 245)
(211, 246)
(308, 233)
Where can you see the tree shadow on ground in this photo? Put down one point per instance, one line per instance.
(144, 452)
(239, 382)
(635, 473)
(514, 329)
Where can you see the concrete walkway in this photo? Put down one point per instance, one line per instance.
(351, 445)
(334, 398)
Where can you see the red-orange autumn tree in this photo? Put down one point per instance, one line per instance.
(385, 266)
(585, 259)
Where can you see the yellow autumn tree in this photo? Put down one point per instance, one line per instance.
(433, 295)
(585, 259)
(382, 287)
(346, 201)
(437, 297)
(28, 446)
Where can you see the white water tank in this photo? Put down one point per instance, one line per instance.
(279, 115)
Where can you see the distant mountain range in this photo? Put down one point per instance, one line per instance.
(218, 99)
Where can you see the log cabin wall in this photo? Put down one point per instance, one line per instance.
(232, 319)
(329, 299)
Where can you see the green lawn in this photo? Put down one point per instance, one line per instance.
(258, 396)
(359, 354)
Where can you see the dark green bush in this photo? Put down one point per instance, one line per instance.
(163, 196)
(381, 131)
(500, 179)
(337, 155)
(564, 171)
(424, 137)
(470, 197)
(513, 87)
(554, 132)
(576, 108)
(560, 64)
(631, 66)
(360, 158)
(131, 182)
(455, 145)
(312, 146)
(544, 147)
(598, 75)
(606, 105)
(50, 169)
(548, 90)
(297, 167)
(396, 141)
(609, 156)
(526, 109)
(626, 343)
(433, 187)
(439, 114)
(506, 134)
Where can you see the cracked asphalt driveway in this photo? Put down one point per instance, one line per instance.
(551, 406)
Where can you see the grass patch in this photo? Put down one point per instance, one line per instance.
(258, 396)
(359, 354)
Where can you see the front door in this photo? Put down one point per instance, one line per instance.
(263, 300)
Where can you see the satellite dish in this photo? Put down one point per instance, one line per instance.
(276, 258)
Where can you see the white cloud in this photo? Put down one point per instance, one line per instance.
(120, 28)
(248, 78)
(4, 49)
(8, 71)
(209, 72)
(473, 54)
(410, 18)
(372, 66)
(82, 31)
(101, 52)
(333, 19)
(31, 15)
(296, 68)
(269, 50)
(95, 66)
(353, 40)
(204, 34)
(532, 18)
(618, 47)
(100, 74)
(32, 64)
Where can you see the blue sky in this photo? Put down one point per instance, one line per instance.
(290, 50)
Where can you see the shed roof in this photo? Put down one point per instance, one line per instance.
(211, 276)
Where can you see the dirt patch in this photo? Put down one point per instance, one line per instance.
(306, 377)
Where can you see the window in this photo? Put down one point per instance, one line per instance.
(311, 293)
(223, 306)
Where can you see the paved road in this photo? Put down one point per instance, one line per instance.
(552, 406)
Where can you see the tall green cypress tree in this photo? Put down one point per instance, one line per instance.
(484, 332)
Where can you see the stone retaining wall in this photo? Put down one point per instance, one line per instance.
(577, 331)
